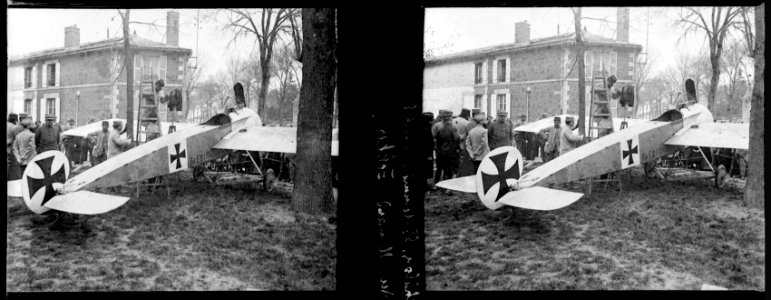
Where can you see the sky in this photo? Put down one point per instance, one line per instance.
(32, 30)
(449, 30)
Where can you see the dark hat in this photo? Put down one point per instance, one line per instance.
(465, 112)
(50, 117)
(557, 118)
(106, 123)
(22, 116)
(71, 120)
(117, 122)
(475, 111)
(569, 118)
(239, 91)
(502, 112)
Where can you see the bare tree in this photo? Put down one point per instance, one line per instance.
(192, 76)
(266, 24)
(581, 70)
(313, 179)
(754, 192)
(642, 72)
(715, 23)
(284, 71)
(734, 59)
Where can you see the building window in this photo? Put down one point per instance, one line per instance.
(149, 68)
(478, 101)
(501, 102)
(51, 74)
(28, 106)
(478, 73)
(27, 77)
(51, 106)
(502, 70)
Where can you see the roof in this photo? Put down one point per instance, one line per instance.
(112, 43)
(565, 38)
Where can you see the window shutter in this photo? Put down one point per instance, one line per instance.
(58, 72)
(495, 71)
(44, 82)
(484, 72)
(137, 68)
(613, 64)
(508, 69)
(510, 108)
(163, 68)
(57, 110)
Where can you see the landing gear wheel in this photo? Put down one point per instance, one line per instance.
(46, 172)
(720, 176)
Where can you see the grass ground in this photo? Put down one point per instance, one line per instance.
(654, 235)
(228, 237)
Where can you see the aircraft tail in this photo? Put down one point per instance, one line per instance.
(14, 188)
(85, 202)
(466, 184)
(539, 198)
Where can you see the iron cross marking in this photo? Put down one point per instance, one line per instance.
(47, 181)
(630, 152)
(178, 157)
(489, 180)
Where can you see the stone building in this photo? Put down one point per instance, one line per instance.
(498, 78)
(88, 80)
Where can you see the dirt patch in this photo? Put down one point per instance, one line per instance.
(229, 237)
(655, 235)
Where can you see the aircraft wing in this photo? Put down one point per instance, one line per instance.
(84, 130)
(267, 139)
(542, 124)
(717, 135)
(466, 184)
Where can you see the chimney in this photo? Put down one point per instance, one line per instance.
(622, 24)
(172, 28)
(71, 37)
(521, 32)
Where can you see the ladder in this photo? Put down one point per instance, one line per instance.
(601, 124)
(148, 102)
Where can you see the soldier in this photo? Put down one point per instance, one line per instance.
(24, 144)
(447, 150)
(461, 122)
(476, 142)
(552, 134)
(12, 166)
(100, 138)
(568, 140)
(47, 137)
(71, 144)
(501, 132)
(520, 138)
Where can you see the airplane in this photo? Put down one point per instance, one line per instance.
(45, 184)
(500, 181)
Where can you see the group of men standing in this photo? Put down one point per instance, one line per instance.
(460, 143)
(25, 140)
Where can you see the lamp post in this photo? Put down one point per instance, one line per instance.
(77, 107)
(527, 100)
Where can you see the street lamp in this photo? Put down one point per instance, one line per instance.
(77, 107)
(527, 113)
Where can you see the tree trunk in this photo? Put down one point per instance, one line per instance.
(713, 83)
(313, 179)
(265, 82)
(581, 74)
(754, 190)
(129, 63)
